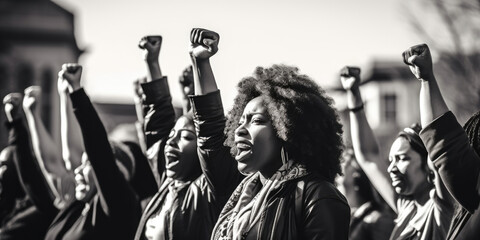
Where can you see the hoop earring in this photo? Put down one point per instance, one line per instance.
(430, 177)
(284, 155)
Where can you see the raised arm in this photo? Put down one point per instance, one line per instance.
(140, 110)
(364, 143)
(31, 177)
(187, 88)
(432, 105)
(70, 135)
(112, 186)
(160, 115)
(217, 164)
(204, 44)
(47, 154)
(455, 163)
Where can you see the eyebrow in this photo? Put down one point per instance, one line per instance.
(253, 113)
(185, 129)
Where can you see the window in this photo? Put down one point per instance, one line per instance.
(390, 107)
(46, 84)
(24, 75)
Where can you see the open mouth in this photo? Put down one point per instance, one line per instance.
(244, 150)
(171, 157)
(396, 180)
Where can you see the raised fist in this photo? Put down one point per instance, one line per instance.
(186, 81)
(204, 43)
(419, 59)
(12, 104)
(70, 75)
(151, 45)
(350, 77)
(31, 98)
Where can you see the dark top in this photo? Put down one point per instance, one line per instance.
(196, 206)
(114, 211)
(305, 208)
(370, 222)
(31, 216)
(459, 167)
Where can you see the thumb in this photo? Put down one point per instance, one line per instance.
(411, 60)
(210, 43)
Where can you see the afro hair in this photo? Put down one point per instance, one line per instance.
(302, 115)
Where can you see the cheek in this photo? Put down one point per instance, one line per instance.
(188, 148)
(404, 167)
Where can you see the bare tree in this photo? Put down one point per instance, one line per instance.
(452, 29)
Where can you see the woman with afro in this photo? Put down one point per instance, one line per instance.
(286, 138)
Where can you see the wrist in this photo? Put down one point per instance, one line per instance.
(74, 87)
(152, 62)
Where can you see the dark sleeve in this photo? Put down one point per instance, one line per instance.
(327, 218)
(455, 160)
(217, 163)
(159, 121)
(30, 175)
(160, 115)
(114, 191)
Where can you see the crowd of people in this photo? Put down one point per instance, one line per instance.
(268, 169)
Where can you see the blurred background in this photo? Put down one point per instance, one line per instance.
(319, 37)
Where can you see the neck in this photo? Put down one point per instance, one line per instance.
(267, 173)
(422, 196)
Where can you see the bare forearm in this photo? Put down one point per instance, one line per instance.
(72, 144)
(154, 71)
(432, 104)
(44, 146)
(362, 135)
(204, 79)
(366, 149)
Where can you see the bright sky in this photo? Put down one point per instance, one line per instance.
(317, 36)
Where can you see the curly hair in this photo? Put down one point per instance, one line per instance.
(302, 115)
(471, 128)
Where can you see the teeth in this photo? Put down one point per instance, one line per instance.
(243, 146)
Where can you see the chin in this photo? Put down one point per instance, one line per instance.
(244, 168)
(170, 173)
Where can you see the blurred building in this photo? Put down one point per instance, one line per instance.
(391, 97)
(36, 38)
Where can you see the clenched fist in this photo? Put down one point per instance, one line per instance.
(204, 43)
(151, 45)
(31, 98)
(350, 77)
(186, 81)
(12, 104)
(419, 59)
(70, 75)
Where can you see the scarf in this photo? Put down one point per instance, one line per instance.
(245, 206)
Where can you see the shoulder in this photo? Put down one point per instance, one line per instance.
(316, 188)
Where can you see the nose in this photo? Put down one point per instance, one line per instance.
(241, 130)
(393, 166)
(172, 141)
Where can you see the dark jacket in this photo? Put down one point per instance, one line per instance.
(304, 208)
(31, 215)
(199, 203)
(114, 212)
(459, 168)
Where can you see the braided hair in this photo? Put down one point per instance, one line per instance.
(472, 127)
